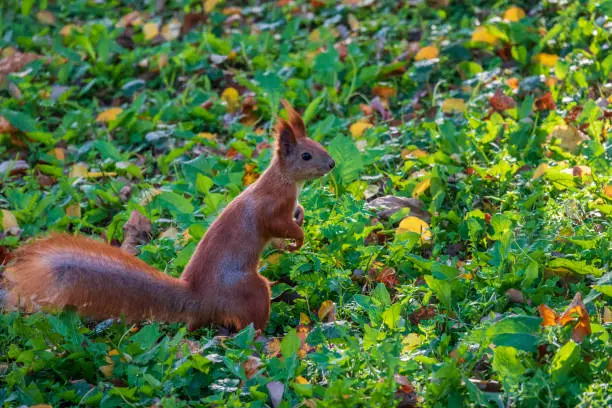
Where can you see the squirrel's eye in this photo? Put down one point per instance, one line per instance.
(306, 156)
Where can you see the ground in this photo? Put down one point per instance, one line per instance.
(458, 254)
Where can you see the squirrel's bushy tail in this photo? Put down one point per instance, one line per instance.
(95, 278)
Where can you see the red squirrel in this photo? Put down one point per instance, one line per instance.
(220, 284)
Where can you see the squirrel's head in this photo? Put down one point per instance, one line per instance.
(301, 158)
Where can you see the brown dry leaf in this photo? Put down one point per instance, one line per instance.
(451, 105)
(136, 231)
(15, 62)
(414, 224)
(515, 296)
(387, 276)
(548, 60)
(9, 221)
(41, 406)
(581, 171)
(514, 13)
(545, 102)
(427, 53)
(358, 129)
(583, 328)
(423, 313)
(500, 102)
(549, 317)
(6, 127)
(327, 311)
(385, 92)
(482, 34)
(108, 115)
(251, 366)
(45, 17)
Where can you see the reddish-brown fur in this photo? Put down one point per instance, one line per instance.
(219, 285)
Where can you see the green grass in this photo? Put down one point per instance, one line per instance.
(418, 321)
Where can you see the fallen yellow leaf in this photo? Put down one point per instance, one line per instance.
(107, 370)
(274, 258)
(607, 315)
(414, 224)
(99, 174)
(327, 307)
(67, 30)
(73, 210)
(108, 115)
(59, 153)
(514, 14)
(410, 342)
(421, 188)
(301, 380)
(207, 136)
(513, 83)
(171, 233)
(453, 105)
(357, 129)
(150, 30)
(427, 53)
(230, 96)
(540, 171)
(548, 60)
(209, 5)
(45, 17)
(353, 22)
(482, 34)
(8, 220)
(78, 170)
(304, 319)
(413, 153)
(569, 137)
(171, 30)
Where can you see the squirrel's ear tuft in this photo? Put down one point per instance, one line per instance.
(285, 138)
(295, 120)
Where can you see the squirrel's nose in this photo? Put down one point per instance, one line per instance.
(332, 164)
